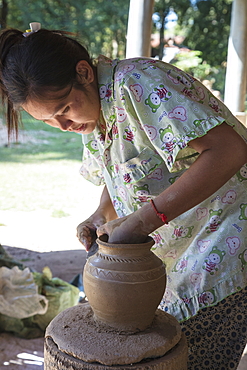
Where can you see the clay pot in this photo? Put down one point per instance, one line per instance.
(124, 284)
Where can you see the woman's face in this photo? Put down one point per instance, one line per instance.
(77, 111)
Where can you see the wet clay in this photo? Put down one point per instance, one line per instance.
(124, 284)
(76, 333)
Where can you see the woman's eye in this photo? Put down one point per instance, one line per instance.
(65, 110)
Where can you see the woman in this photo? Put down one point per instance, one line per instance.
(173, 161)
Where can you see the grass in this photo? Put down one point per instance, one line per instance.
(48, 144)
(42, 174)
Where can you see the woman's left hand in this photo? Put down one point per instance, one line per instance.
(125, 230)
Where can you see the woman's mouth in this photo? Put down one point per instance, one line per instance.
(80, 128)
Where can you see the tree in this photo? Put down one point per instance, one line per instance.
(4, 12)
(208, 28)
(208, 24)
(205, 24)
(161, 9)
(101, 25)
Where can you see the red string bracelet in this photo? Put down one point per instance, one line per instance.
(160, 215)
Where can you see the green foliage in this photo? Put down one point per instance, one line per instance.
(162, 8)
(208, 27)
(205, 24)
(192, 63)
(178, 6)
(100, 25)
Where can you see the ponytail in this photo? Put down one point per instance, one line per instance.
(8, 39)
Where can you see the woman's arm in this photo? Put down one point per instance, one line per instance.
(222, 153)
(86, 231)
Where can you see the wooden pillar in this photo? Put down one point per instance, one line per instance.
(236, 73)
(139, 28)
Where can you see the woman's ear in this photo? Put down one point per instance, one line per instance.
(85, 73)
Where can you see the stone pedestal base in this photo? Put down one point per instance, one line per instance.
(76, 341)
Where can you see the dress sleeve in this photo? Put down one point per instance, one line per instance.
(172, 108)
(91, 168)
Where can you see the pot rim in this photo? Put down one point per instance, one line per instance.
(102, 240)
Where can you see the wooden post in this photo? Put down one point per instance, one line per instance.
(139, 28)
(236, 73)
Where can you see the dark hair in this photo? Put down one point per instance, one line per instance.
(30, 66)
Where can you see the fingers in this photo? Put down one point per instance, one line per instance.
(86, 235)
(101, 230)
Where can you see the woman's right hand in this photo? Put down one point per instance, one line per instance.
(86, 231)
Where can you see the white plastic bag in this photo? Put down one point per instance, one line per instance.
(19, 296)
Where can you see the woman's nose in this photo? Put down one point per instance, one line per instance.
(64, 123)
